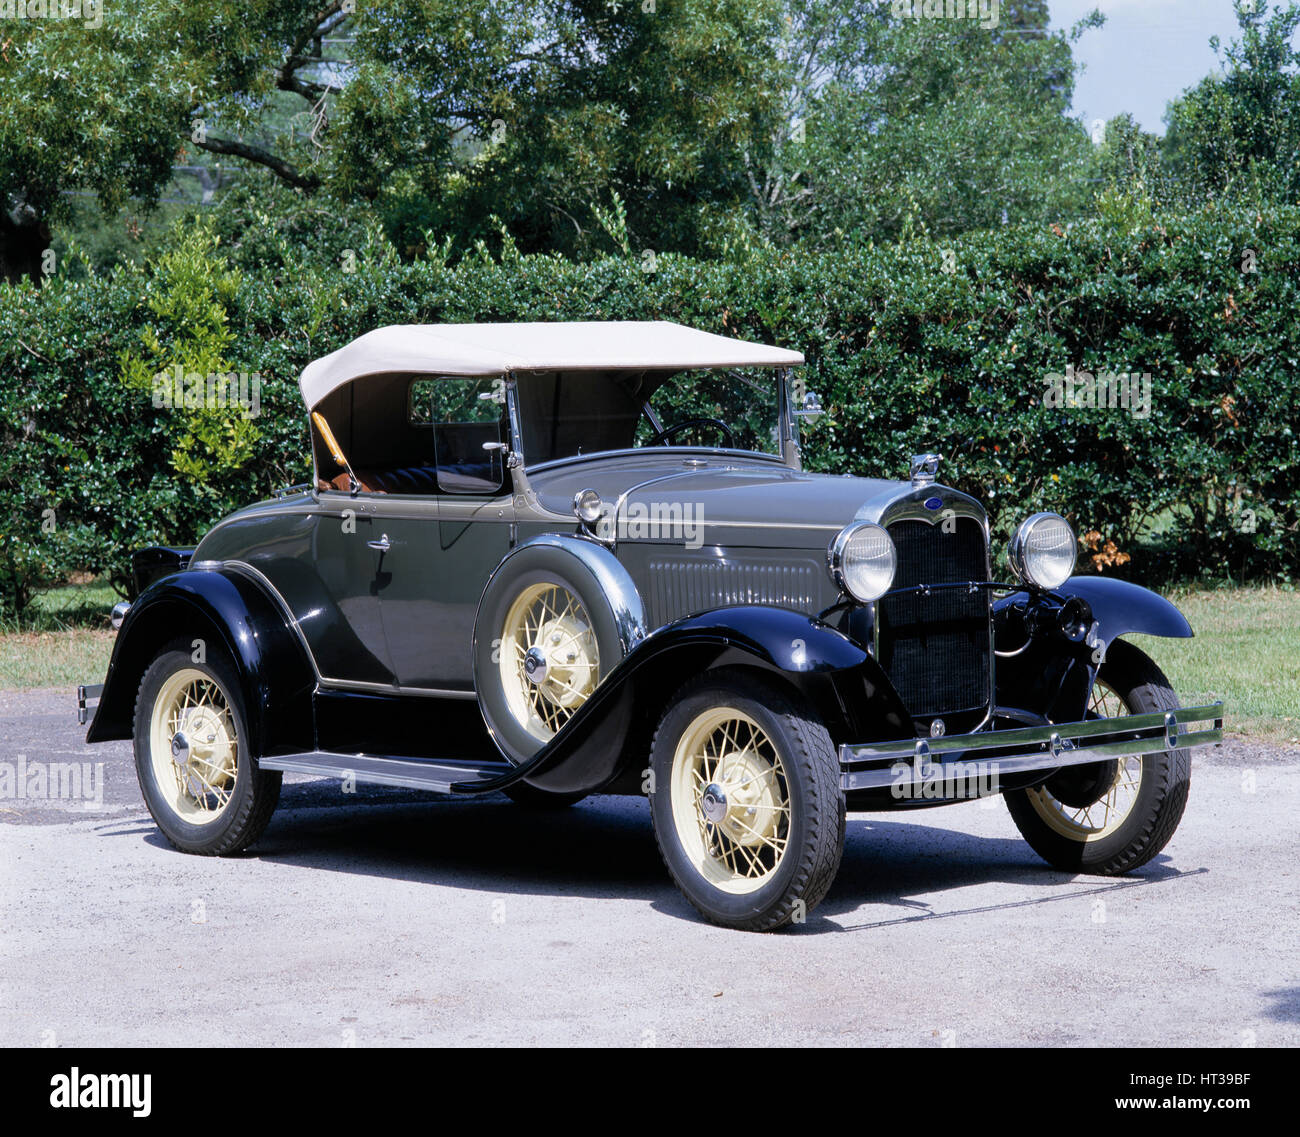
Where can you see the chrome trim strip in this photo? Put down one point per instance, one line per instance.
(370, 686)
(824, 527)
(1053, 746)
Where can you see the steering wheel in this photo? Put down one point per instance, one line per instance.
(661, 437)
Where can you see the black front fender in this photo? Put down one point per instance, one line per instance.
(1051, 647)
(232, 613)
(1120, 608)
(610, 735)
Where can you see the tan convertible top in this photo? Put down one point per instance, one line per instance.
(494, 349)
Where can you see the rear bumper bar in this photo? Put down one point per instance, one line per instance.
(85, 693)
(996, 753)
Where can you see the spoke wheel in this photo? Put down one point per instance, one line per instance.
(549, 658)
(1110, 817)
(198, 776)
(731, 800)
(1098, 808)
(746, 802)
(194, 746)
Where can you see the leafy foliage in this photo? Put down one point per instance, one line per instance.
(1238, 133)
(927, 344)
(918, 125)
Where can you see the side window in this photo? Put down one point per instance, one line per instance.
(467, 418)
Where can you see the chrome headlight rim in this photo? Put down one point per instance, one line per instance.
(835, 556)
(587, 506)
(1018, 553)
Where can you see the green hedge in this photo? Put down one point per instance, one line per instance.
(913, 346)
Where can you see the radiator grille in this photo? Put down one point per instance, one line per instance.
(680, 587)
(935, 649)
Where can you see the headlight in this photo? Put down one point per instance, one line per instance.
(1043, 550)
(587, 506)
(862, 560)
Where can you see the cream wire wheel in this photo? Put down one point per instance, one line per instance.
(1113, 816)
(730, 800)
(198, 774)
(194, 746)
(745, 799)
(1097, 810)
(549, 658)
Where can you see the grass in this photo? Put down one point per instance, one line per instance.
(54, 659)
(1246, 651)
(64, 639)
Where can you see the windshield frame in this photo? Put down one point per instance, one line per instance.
(787, 453)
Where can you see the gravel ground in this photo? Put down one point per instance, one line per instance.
(390, 917)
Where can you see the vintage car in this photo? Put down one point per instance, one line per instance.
(557, 559)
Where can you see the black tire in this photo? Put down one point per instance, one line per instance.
(814, 836)
(1161, 796)
(528, 567)
(252, 797)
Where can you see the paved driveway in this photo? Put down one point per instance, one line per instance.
(391, 917)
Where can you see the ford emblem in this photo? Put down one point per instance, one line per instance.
(933, 503)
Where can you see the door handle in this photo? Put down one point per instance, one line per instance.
(383, 544)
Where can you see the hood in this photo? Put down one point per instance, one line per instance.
(726, 501)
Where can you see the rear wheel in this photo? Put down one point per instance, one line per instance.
(1110, 817)
(205, 791)
(747, 807)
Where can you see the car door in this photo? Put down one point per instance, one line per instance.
(442, 546)
(345, 627)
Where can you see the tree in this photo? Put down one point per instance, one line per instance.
(1129, 157)
(107, 106)
(898, 122)
(438, 114)
(1239, 131)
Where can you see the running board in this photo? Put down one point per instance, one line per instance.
(411, 773)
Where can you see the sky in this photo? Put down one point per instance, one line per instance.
(1149, 52)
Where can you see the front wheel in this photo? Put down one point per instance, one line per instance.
(746, 801)
(1110, 817)
(204, 789)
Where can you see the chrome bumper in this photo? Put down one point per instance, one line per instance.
(85, 693)
(996, 753)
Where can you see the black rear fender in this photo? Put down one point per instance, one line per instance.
(215, 610)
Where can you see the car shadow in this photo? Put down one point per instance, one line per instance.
(604, 847)
(601, 847)
(887, 861)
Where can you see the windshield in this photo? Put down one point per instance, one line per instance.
(715, 408)
(568, 415)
